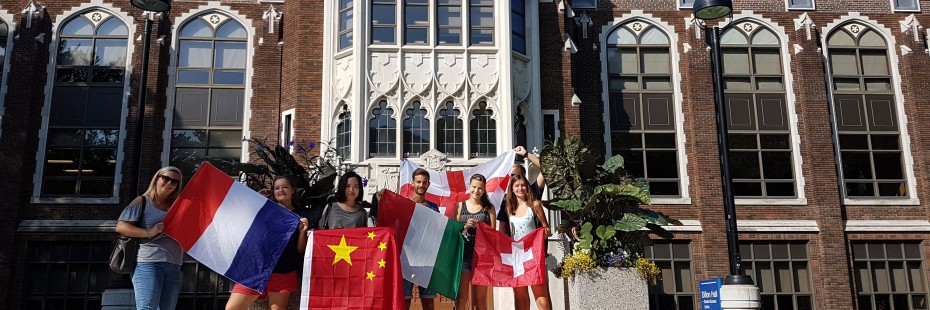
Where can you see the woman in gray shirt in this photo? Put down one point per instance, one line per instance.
(347, 211)
(157, 278)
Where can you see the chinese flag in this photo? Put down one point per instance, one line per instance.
(353, 268)
(500, 261)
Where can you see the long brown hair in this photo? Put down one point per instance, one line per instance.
(512, 198)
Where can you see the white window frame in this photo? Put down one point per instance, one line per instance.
(790, 103)
(684, 179)
(578, 6)
(179, 21)
(6, 18)
(683, 6)
(557, 117)
(797, 8)
(287, 137)
(46, 109)
(904, 132)
(895, 9)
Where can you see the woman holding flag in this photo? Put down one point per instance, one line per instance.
(284, 280)
(157, 277)
(346, 211)
(477, 208)
(523, 210)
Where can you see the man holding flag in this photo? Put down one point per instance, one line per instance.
(420, 184)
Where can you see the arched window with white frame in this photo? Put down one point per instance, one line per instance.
(416, 131)
(86, 107)
(449, 131)
(757, 113)
(382, 131)
(209, 95)
(344, 134)
(641, 104)
(866, 113)
(483, 132)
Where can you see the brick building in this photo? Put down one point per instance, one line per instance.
(824, 103)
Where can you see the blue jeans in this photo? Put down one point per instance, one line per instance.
(156, 285)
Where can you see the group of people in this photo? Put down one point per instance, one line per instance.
(157, 277)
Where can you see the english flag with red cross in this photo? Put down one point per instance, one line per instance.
(448, 188)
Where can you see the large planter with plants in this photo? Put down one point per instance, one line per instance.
(602, 215)
(608, 288)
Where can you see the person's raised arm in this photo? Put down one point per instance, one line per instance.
(540, 179)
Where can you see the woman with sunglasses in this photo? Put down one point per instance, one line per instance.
(523, 210)
(284, 280)
(157, 278)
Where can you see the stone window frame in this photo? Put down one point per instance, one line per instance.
(415, 25)
(382, 139)
(415, 120)
(456, 130)
(685, 4)
(287, 129)
(678, 98)
(345, 24)
(755, 263)
(444, 24)
(376, 25)
(183, 19)
(667, 255)
(862, 94)
(518, 34)
(651, 84)
(472, 27)
(555, 115)
(482, 111)
(801, 7)
(867, 254)
(59, 21)
(755, 95)
(343, 130)
(895, 6)
(216, 133)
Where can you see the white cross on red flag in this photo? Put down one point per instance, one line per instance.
(499, 261)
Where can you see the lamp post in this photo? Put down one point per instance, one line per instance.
(742, 291)
(152, 6)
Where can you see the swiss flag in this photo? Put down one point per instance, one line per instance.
(500, 261)
(352, 268)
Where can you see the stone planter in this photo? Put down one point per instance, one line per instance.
(610, 288)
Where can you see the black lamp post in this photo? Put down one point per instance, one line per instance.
(157, 6)
(710, 10)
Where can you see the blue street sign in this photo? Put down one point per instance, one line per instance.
(710, 293)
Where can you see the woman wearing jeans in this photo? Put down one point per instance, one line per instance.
(157, 278)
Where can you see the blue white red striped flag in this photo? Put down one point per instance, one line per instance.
(229, 227)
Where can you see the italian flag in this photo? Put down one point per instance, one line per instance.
(431, 255)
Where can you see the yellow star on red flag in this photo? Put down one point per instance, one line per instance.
(370, 276)
(382, 246)
(343, 251)
(381, 263)
(371, 235)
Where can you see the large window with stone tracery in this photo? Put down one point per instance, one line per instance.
(209, 93)
(382, 131)
(449, 131)
(642, 111)
(866, 112)
(86, 107)
(483, 132)
(416, 131)
(757, 113)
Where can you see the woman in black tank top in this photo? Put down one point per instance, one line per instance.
(477, 208)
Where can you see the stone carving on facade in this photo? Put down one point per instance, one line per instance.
(483, 73)
(272, 17)
(418, 72)
(520, 74)
(385, 177)
(450, 74)
(435, 160)
(912, 25)
(804, 21)
(342, 83)
(384, 73)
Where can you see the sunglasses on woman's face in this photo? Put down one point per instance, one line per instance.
(171, 180)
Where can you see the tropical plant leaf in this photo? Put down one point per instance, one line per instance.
(606, 232)
(624, 191)
(567, 204)
(613, 164)
(630, 222)
(653, 217)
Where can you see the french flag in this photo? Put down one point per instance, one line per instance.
(229, 227)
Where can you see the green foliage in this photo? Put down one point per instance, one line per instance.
(315, 174)
(600, 203)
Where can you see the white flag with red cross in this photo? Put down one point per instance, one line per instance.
(448, 188)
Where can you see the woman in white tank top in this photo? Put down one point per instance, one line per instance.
(523, 208)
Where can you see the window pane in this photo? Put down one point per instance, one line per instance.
(193, 76)
(745, 165)
(801, 4)
(481, 17)
(856, 165)
(381, 14)
(231, 29)
(888, 165)
(197, 28)
(450, 36)
(113, 27)
(416, 35)
(662, 164)
(230, 55)
(656, 61)
(75, 52)
(229, 77)
(78, 26)
(382, 35)
(449, 16)
(777, 165)
(905, 5)
(767, 61)
(874, 63)
(736, 61)
(416, 15)
(110, 53)
(843, 62)
(482, 36)
(198, 54)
